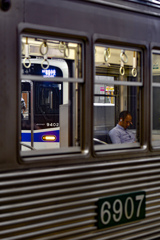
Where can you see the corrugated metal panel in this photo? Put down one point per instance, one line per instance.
(60, 203)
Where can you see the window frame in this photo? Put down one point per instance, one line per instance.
(154, 49)
(105, 41)
(31, 30)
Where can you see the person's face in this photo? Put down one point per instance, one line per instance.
(127, 121)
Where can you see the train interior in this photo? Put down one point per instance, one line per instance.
(51, 72)
(155, 99)
(117, 88)
(51, 76)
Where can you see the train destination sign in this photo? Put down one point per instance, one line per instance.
(120, 209)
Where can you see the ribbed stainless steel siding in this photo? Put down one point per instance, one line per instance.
(60, 203)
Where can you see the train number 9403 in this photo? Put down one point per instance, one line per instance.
(121, 209)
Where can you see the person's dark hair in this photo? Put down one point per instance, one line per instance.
(124, 114)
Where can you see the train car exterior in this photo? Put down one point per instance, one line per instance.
(77, 64)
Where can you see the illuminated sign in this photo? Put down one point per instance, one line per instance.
(49, 72)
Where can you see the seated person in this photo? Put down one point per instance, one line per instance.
(23, 107)
(120, 134)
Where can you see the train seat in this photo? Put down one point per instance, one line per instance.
(102, 137)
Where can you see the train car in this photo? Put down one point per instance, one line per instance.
(40, 127)
(70, 70)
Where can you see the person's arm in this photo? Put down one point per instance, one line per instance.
(133, 136)
(115, 136)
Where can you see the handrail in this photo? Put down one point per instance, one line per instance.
(27, 146)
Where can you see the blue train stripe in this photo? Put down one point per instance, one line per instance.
(26, 137)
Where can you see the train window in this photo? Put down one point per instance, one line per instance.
(51, 78)
(155, 98)
(117, 88)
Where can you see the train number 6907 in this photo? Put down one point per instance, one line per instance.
(121, 209)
